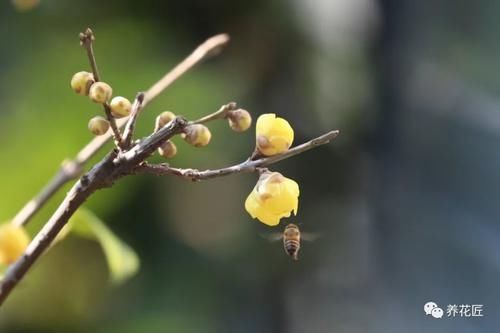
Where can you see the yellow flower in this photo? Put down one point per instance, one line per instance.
(274, 135)
(273, 197)
(13, 242)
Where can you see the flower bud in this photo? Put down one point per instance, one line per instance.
(81, 82)
(168, 149)
(164, 118)
(13, 242)
(100, 92)
(25, 5)
(98, 125)
(273, 198)
(239, 120)
(273, 135)
(120, 107)
(197, 135)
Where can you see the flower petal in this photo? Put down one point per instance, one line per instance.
(264, 123)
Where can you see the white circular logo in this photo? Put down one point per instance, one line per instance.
(429, 306)
(437, 313)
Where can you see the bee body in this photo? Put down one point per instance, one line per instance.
(291, 241)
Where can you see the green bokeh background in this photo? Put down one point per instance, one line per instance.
(364, 67)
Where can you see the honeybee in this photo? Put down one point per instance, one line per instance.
(291, 239)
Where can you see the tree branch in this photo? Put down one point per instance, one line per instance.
(219, 114)
(69, 170)
(75, 197)
(120, 163)
(66, 174)
(128, 133)
(113, 167)
(246, 166)
(86, 40)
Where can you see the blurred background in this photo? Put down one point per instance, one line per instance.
(404, 199)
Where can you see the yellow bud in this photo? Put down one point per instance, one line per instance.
(273, 135)
(24, 5)
(100, 92)
(98, 125)
(273, 198)
(197, 135)
(168, 149)
(164, 118)
(120, 107)
(81, 82)
(13, 242)
(239, 120)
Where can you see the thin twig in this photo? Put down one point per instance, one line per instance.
(205, 50)
(219, 114)
(246, 166)
(69, 170)
(128, 133)
(65, 175)
(112, 124)
(87, 39)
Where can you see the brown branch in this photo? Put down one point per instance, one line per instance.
(87, 40)
(120, 163)
(246, 166)
(219, 114)
(66, 174)
(112, 124)
(69, 170)
(113, 167)
(128, 133)
(75, 197)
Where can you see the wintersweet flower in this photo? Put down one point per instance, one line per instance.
(273, 197)
(274, 135)
(13, 242)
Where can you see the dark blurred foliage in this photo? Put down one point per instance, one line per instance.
(404, 199)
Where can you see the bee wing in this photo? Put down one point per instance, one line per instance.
(309, 236)
(272, 237)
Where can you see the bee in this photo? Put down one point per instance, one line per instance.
(291, 240)
(292, 237)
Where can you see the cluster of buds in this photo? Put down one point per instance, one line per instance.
(274, 196)
(168, 149)
(198, 135)
(83, 83)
